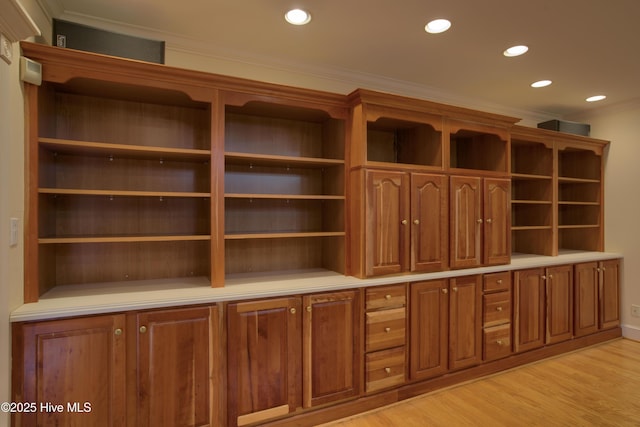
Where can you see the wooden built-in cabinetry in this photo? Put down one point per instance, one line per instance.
(286, 354)
(496, 316)
(445, 326)
(385, 337)
(137, 369)
(168, 177)
(557, 192)
(284, 186)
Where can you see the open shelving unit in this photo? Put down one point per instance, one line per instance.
(123, 183)
(579, 199)
(532, 196)
(284, 189)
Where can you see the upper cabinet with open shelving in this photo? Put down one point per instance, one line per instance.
(284, 186)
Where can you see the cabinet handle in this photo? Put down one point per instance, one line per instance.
(445, 290)
(387, 330)
(543, 277)
(387, 370)
(498, 308)
(308, 309)
(292, 310)
(143, 329)
(404, 222)
(416, 221)
(550, 276)
(489, 220)
(455, 289)
(387, 297)
(118, 332)
(479, 221)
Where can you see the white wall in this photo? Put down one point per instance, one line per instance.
(11, 206)
(620, 124)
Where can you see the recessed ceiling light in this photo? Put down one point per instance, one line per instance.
(596, 98)
(437, 26)
(516, 51)
(541, 83)
(297, 17)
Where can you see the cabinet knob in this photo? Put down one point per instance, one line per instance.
(404, 222)
(498, 308)
(499, 281)
(292, 310)
(455, 289)
(603, 268)
(118, 332)
(479, 221)
(387, 330)
(387, 370)
(550, 276)
(416, 221)
(489, 220)
(143, 329)
(543, 277)
(387, 297)
(598, 269)
(499, 342)
(445, 290)
(308, 309)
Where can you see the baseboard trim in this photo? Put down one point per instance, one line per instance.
(631, 332)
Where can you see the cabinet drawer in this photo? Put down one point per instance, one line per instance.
(385, 297)
(385, 329)
(496, 309)
(497, 342)
(497, 282)
(385, 369)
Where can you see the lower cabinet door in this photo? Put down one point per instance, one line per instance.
(173, 370)
(72, 371)
(529, 309)
(332, 352)
(264, 360)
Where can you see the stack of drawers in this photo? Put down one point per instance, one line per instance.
(385, 340)
(496, 316)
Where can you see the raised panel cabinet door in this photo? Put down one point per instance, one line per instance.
(609, 294)
(173, 369)
(497, 221)
(78, 363)
(429, 222)
(529, 310)
(429, 312)
(585, 298)
(559, 302)
(264, 356)
(332, 352)
(387, 220)
(466, 222)
(465, 321)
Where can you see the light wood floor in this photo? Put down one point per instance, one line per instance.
(597, 386)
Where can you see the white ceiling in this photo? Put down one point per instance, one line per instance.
(586, 47)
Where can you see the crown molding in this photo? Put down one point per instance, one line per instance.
(15, 22)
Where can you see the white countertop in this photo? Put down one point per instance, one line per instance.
(98, 298)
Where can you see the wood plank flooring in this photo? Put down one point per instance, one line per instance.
(596, 386)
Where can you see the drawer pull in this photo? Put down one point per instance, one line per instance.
(499, 342)
(118, 332)
(387, 330)
(292, 310)
(387, 370)
(499, 281)
(445, 290)
(143, 329)
(498, 308)
(387, 297)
